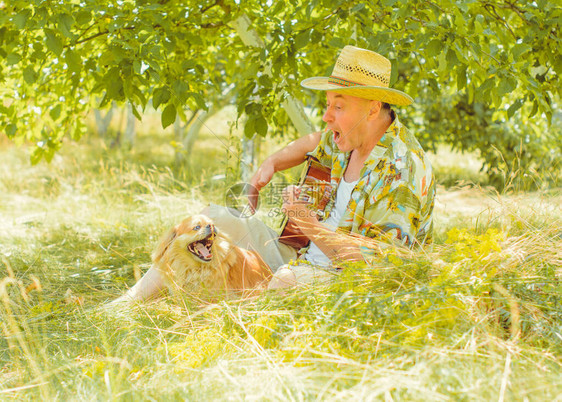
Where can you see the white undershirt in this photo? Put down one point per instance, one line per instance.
(314, 254)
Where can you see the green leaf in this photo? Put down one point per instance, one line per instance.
(83, 17)
(260, 126)
(514, 107)
(180, 90)
(265, 81)
(358, 7)
(118, 52)
(253, 108)
(434, 47)
(488, 84)
(29, 75)
(20, 19)
(13, 58)
(557, 64)
(199, 100)
(136, 112)
(442, 64)
(65, 23)
(249, 129)
(36, 155)
(73, 60)
(452, 59)
(199, 69)
(506, 85)
(170, 45)
(50, 153)
(337, 42)
(302, 39)
(193, 39)
(54, 43)
(114, 84)
(519, 49)
(11, 130)
(79, 131)
(393, 72)
(55, 112)
(154, 65)
(470, 93)
(188, 65)
(160, 96)
(461, 77)
(168, 115)
(535, 108)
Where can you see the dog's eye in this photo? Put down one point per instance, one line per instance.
(197, 227)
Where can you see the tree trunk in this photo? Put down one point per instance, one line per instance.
(187, 139)
(248, 157)
(130, 132)
(102, 123)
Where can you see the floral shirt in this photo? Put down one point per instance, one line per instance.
(394, 196)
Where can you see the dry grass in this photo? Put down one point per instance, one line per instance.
(479, 317)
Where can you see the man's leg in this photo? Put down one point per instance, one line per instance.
(252, 234)
(283, 278)
(289, 276)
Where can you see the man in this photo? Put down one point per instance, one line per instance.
(382, 182)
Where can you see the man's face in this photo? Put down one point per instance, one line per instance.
(346, 116)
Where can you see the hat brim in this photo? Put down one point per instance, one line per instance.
(383, 94)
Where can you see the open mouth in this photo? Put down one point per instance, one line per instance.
(202, 248)
(337, 135)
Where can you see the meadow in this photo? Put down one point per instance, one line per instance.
(478, 317)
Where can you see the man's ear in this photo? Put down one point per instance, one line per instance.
(165, 243)
(375, 108)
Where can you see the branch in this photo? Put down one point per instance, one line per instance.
(517, 10)
(95, 36)
(101, 33)
(492, 11)
(216, 3)
(87, 29)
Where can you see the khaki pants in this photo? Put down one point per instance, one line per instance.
(301, 273)
(252, 234)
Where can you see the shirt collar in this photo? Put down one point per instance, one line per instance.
(384, 143)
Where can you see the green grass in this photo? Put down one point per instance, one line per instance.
(478, 317)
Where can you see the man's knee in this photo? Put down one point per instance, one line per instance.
(283, 278)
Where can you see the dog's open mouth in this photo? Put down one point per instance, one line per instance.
(202, 248)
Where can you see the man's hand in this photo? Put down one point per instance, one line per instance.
(336, 246)
(297, 209)
(263, 175)
(292, 155)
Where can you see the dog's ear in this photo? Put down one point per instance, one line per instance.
(164, 244)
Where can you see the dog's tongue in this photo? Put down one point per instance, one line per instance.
(203, 250)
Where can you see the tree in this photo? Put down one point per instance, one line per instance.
(493, 62)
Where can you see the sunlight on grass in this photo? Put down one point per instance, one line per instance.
(477, 317)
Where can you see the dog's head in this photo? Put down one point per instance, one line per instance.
(195, 257)
(194, 236)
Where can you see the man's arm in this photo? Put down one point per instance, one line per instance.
(291, 155)
(336, 246)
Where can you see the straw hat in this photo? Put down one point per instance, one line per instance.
(362, 73)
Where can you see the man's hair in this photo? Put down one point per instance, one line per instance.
(385, 106)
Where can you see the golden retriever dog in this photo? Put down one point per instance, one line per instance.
(194, 257)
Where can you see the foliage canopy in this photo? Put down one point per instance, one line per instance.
(484, 73)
